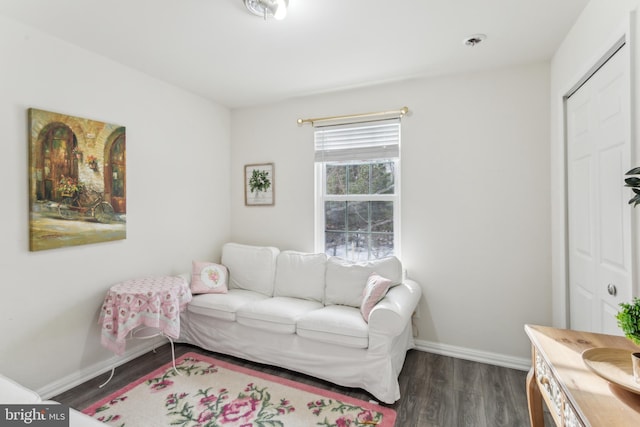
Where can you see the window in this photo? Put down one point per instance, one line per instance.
(358, 190)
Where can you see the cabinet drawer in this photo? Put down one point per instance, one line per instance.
(559, 406)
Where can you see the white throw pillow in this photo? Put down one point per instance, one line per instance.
(346, 280)
(250, 267)
(300, 275)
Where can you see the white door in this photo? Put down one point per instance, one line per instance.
(599, 217)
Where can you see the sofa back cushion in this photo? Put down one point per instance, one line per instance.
(300, 275)
(250, 267)
(346, 280)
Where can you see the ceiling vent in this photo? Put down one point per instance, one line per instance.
(474, 39)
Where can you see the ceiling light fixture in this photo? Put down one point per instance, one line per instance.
(474, 39)
(266, 8)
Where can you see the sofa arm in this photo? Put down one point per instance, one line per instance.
(392, 314)
(11, 392)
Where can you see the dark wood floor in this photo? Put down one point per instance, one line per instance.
(437, 391)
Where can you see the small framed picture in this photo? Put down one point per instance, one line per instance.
(259, 185)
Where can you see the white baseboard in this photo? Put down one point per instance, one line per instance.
(77, 378)
(523, 364)
(63, 384)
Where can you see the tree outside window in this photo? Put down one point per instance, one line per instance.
(359, 222)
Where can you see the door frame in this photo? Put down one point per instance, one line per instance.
(622, 38)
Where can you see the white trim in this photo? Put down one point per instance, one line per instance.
(318, 207)
(522, 364)
(70, 381)
(619, 44)
(66, 383)
(632, 39)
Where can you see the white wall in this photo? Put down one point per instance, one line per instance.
(600, 25)
(178, 146)
(475, 198)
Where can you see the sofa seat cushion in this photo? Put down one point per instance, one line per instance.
(335, 324)
(223, 306)
(277, 314)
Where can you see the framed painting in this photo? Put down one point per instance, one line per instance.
(77, 181)
(259, 184)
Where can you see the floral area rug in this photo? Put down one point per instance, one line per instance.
(212, 393)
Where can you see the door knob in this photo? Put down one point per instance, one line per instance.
(611, 288)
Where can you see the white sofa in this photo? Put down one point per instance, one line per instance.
(12, 393)
(301, 311)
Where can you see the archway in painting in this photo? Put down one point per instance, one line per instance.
(56, 161)
(115, 176)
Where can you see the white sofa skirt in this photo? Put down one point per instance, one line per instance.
(374, 369)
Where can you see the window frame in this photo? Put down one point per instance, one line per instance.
(320, 197)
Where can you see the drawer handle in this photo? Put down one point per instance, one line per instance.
(611, 288)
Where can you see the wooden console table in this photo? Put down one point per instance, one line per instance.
(575, 396)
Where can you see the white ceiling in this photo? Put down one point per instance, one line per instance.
(217, 49)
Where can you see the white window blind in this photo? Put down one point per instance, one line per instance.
(362, 141)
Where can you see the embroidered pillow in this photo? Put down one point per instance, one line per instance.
(208, 278)
(376, 288)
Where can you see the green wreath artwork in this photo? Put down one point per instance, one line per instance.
(259, 186)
